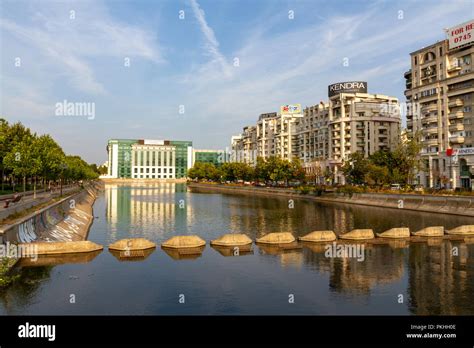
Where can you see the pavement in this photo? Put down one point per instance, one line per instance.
(29, 200)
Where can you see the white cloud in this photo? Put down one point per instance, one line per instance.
(71, 45)
(212, 45)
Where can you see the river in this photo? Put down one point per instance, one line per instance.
(406, 279)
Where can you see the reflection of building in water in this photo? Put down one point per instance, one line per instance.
(381, 265)
(147, 208)
(294, 259)
(440, 282)
(257, 217)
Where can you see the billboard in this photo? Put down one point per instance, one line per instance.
(290, 109)
(347, 87)
(461, 34)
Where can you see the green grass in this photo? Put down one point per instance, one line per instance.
(5, 266)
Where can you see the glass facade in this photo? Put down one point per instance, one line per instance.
(182, 157)
(214, 157)
(130, 158)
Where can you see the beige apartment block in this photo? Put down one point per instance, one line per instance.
(348, 123)
(274, 135)
(440, 96)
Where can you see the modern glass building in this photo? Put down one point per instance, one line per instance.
(149, 159)
(216, 157)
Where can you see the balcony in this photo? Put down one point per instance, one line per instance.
(430, 130)
(429, 107)
(430, 142)
(455, 115)
(454, 68)
(429, 119)
(456, 139)
(456, 127)
(455, 102)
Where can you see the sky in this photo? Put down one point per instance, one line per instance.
(198, 70)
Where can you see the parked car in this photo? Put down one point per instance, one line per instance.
(418, 188)
(395, 187)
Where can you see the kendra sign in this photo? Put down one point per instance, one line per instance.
(347, 87)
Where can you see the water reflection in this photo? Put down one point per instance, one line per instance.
(434, 275)
(441, 278)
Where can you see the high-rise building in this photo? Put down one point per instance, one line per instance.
(352, 121)
(274, 135)
(149, 159)
(440, 98)
(324, 135)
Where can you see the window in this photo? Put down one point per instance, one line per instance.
(440, 51)
(467, 109)
(416, 60)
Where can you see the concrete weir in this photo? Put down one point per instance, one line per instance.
(319, 236)
(462, 230)
(183, 242)
(358, 234)
(276, 238)
(232, 239)
(132, 244)
(433, 231)
(48, 248)
(398, 232)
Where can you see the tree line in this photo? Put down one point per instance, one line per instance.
(385, 167)
(271, 169)
(28, 157)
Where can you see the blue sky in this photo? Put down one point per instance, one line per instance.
(190, 62)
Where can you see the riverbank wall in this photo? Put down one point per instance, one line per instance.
(454, 205)
(68, 219)
(142, 181)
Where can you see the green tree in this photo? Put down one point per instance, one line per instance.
(23, 159)
(52, 157)
(377, 175)
(355, 168)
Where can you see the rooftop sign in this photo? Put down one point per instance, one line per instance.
(461, 34)
(347, 87)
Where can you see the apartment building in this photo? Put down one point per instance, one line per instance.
(244, 146)
(352, 121)
(440, 96)
(324, 135)
(274, 135)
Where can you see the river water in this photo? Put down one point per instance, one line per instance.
(418, 278)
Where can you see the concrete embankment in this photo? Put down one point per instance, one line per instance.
(66, 220)
(455, 205)
(142, 181)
